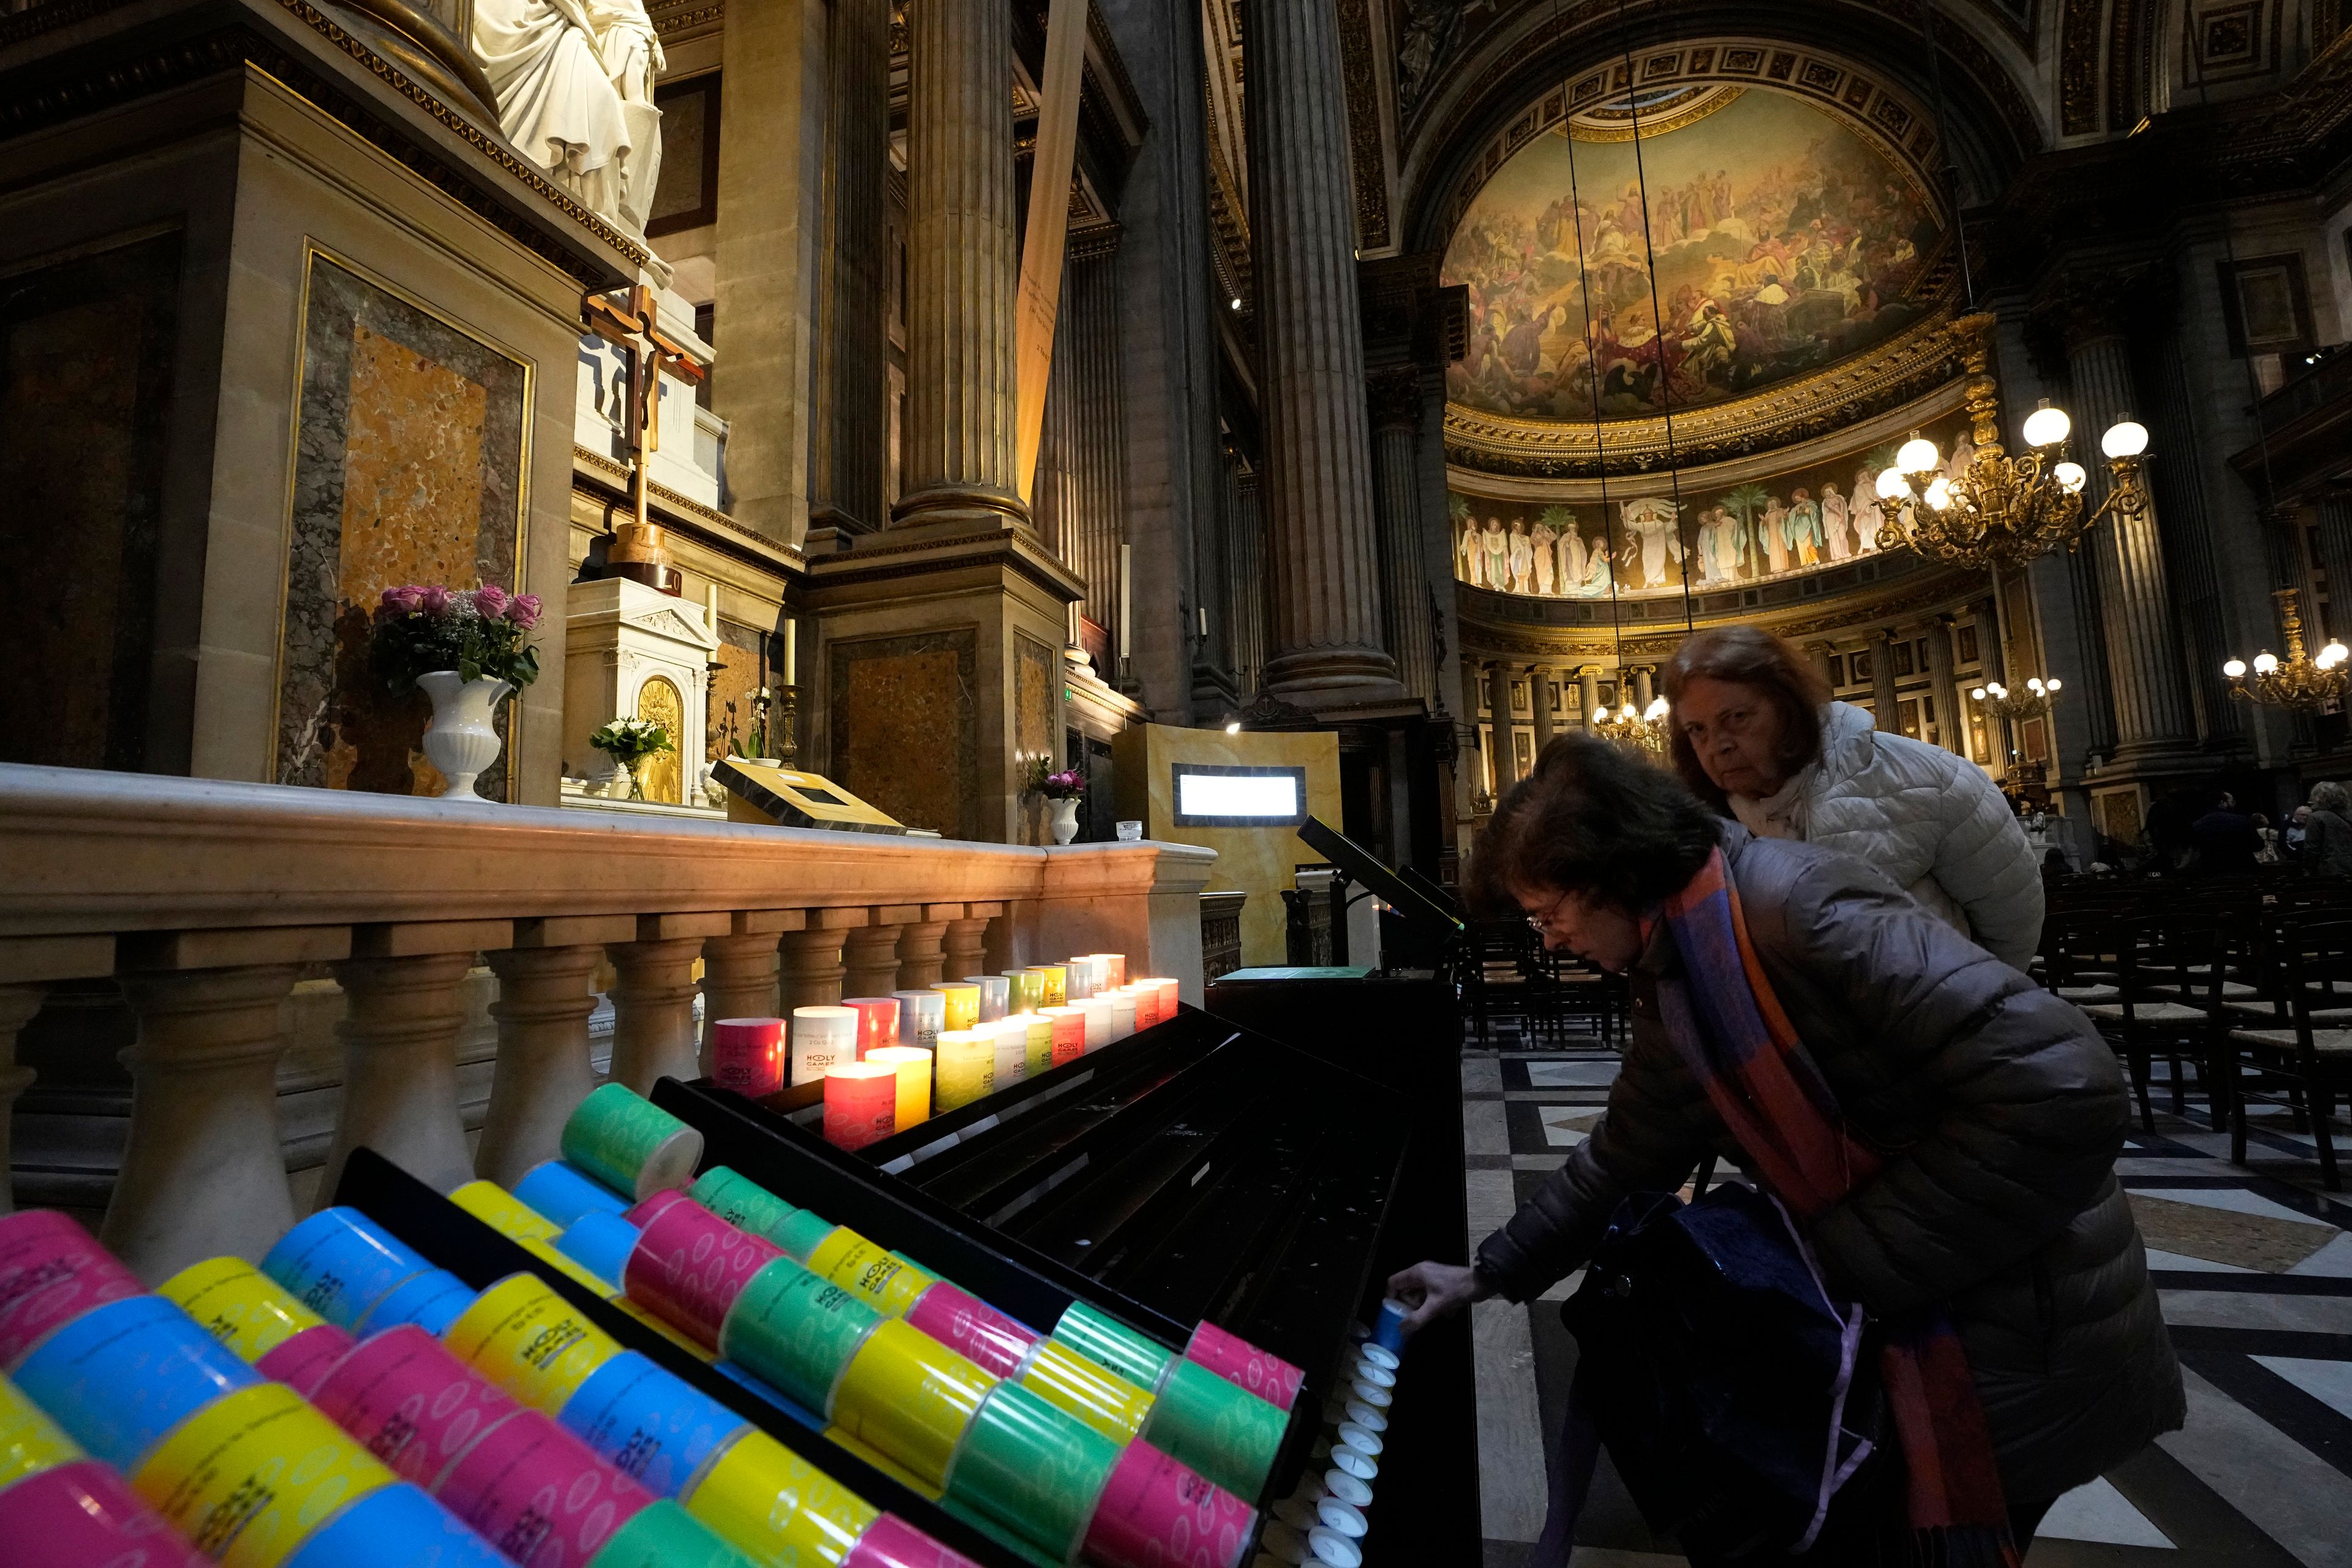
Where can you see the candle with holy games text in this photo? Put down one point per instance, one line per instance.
(913, 1063)
(922, 1016)
(823, 1038)
(962, 1002)
(967, 1065)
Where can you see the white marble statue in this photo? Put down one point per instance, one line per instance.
(558, 101)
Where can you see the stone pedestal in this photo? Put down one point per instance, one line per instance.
(632, 652)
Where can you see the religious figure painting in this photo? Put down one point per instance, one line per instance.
(1815, 517)
(1775, 239)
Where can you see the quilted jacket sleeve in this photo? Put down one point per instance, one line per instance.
(2027, 1106)
(1985, 865)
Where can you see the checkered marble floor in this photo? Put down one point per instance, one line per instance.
(2254, 1267)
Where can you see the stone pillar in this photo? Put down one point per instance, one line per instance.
(1882, 681)
(921, 952)
(1588, 693)
(2145, 678)
(1643, 690)
(1951, 725)
(846, 436)
(1498, 702)
(1540, 688)
(17, 1006)
(1091, 372)
(204, 1173)
(770, 207)
(1819, 653)
(1396, 405)
(2335, 562)
(545, 995)
(1320, 529)
(963, 267)
(869, 953)
(399, 1032)
(1247, 564)
(653, 1009)
(812, 959)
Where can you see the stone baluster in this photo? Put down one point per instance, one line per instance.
(922, 958)
(547, 989)
(869, 953)
(401, 1016)
(1539, 698)
(204, 1172)
(653, 998)
(813, 969)
(27, 965)
(972, 943)
(739, 970)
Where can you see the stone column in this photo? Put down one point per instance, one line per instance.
(812, 959)
(869, 953)
(1950, 723)
(1498, 702)
(204, 1172)
(399, 1032)
(1588, 693)
(545, 995)
(2335, 562)
(1540, 687)
(1643, 690)
(1396, 405)
(921, 953)
(17, 1006)
(1320, 529)
(653, 1009)
(1247, 563)
(846, 436)
(2145, 678)
(1819, 653)
(1091, 367)
(963, 267)
(1882, 681)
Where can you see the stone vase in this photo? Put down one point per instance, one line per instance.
(462, 741)
(1063, 815)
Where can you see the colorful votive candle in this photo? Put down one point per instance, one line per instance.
(967, 1065)
(913, 1065)
(1079, 979)
(962, 1002)
(747, 1055)
(1114, 967)
(1070, 1033)
(823, 1036)
(922, 1016)
(1012, 1037)
(1096, 1013)
(1122, 1014)
(995, 993)
(1038, 1036)
(861, 1102)
(878, 1022)
(1057, 983)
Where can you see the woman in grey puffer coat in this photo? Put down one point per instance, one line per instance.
(2327, 834)
(1996, 1107)
(1756, 735)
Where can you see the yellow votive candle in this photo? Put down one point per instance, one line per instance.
(967, 1065)
(914, 1068)
(964, 1003)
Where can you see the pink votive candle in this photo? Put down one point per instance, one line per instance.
(861, 1103)
(747, 1055)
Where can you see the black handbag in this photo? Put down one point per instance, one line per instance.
(1733, 1393)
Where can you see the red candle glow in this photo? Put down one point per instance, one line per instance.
(861, 1103)
(747, 1055)
(877, 1021)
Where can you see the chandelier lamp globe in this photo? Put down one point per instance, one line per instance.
(2301, 682)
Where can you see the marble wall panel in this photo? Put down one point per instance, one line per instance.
(408, 469)
(905, 726)
(1036, 700)
(748, 659)
(86, 353)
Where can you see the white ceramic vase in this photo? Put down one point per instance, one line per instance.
(1066, 818)
(461, 740)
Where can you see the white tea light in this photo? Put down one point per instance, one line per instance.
(1366, 1394)
(1360, 1437)
(1361, 1465)
(1371, 1372)
(1347, 1487)
(823, 1038)
(1345, 1517)
(1381, 1356)
(1366, 1416)
(1097, 1011)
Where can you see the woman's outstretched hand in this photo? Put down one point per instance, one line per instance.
(1435, 1290)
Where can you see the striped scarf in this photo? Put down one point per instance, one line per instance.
(1737, 1042)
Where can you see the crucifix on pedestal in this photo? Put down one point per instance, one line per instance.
(628, 320)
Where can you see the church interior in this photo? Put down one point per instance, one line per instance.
(604, 559)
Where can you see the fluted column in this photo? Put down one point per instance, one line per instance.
(1951, 724)
(964, 266)
(846, 433)
(1588, 693)
(1539, 700)
(545, 995)
(1643, 690)
(1498, 703)
(1882, 681)
(1091, 301)
(1321, 531)
(2336, 561)
(2143, 633)
(1396, 405)
(1247, 563)
(1819, 652)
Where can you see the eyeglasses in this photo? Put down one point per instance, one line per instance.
(1541, 924)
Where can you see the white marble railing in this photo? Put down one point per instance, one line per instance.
(206, 902)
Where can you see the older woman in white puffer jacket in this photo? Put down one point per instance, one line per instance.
(1755, 733)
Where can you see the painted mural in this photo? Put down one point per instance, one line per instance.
(1810, 519)
(1782, 240)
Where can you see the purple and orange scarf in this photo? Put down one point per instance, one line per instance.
(1732, 1033)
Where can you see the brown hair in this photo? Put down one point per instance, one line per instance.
(1748, 657)
(1591, 818)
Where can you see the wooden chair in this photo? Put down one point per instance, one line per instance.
(2170, 975)
(2309, 1052)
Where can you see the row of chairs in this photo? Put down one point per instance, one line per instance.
(2256, 996)
(1505, 976)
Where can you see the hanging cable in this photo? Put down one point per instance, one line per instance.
(1949, 170)
(1593, 376)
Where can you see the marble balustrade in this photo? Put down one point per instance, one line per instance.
(206, 900)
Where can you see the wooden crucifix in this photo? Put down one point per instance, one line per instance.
(628, 321)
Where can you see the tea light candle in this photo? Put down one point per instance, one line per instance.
(913, 1065)
(1122, 1014)
(747, 1055)
(967, 1065)
(1097, 1011)
(1040, 1050)
(1114, 967)
(995, 990)
(860, 1103)
(1012, 1037)
(1057, 983)
(962, 1002)
(823, 1036)
(922, 1016)
(1070, 1033)
(878, 1022)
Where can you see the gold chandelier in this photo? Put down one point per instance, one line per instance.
(2002, 512)
(2039, 696)
(2297, 681)
(1640, 730)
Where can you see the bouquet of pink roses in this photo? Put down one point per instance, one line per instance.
(484, 631)
(1041, 779)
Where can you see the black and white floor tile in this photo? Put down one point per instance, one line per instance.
(2253, 1264)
